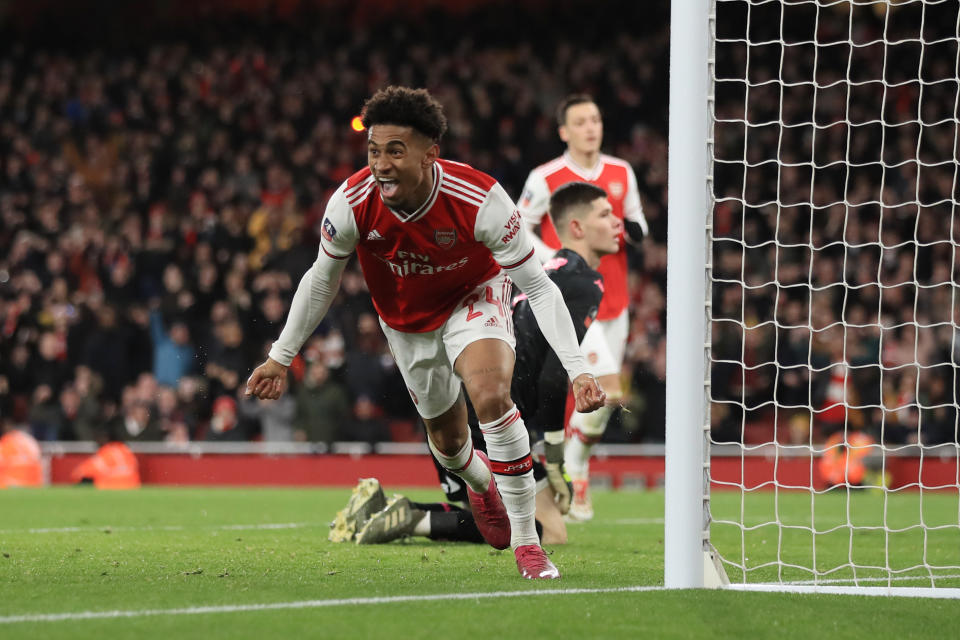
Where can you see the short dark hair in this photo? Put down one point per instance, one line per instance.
(406, 107)
(569, 101)
(570, 197)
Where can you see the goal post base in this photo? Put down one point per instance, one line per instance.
(714, 576)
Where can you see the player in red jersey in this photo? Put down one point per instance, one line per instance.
(439, 243)
(581, 127)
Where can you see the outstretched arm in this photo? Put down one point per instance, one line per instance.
(554, 321)
(500, 226)
(310, 304)
(316, 291)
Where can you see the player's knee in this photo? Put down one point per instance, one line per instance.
(448, 432)
(449, 444)
(491, 401)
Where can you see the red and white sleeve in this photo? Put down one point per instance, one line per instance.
(499, 226)
(319, 284)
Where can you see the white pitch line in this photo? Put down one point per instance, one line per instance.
(225, 527)
(307, 604)
(628, 522)
(876, 579)
(274, 525)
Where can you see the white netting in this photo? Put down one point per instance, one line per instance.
(834, 292)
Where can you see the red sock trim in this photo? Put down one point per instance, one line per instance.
(503, 423)
(585, 439)
(469, 460)
(516, 467)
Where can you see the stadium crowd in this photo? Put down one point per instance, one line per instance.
(158, 204)
(851, 300)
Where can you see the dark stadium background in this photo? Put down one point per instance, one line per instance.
(165, 164)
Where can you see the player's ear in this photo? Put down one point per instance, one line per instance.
(431, 154)
(576, 229)
(562, 132)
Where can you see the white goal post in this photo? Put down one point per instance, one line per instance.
(813, 297)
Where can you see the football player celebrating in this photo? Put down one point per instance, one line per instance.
(581, 128)
(439, 243)
(588, 230)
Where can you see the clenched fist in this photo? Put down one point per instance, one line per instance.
(268, 381)
(588, 393)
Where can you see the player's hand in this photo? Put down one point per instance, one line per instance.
(268, 381)
(557, 476)
(588, 393)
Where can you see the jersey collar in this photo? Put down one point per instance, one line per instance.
(422, 209)
(588, 175)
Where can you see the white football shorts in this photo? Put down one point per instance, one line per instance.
(426, 360)
(604, 344)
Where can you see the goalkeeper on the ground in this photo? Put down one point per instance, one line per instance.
(588, 230)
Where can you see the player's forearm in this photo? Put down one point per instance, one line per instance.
(314, 294)
(552, 315)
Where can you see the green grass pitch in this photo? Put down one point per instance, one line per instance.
(258, 559)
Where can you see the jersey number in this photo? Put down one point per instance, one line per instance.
(473, 314)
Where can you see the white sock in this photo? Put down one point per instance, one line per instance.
(508, 446)
(576, 458)
(464, 464)
(586, 429)
(422, 528)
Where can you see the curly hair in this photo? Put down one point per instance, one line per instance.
(406, 107)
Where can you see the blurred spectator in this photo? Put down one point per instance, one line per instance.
(368, 425)
(228, 363)
(106, 350)
(135, 423)
(173, 353)
(173, 421)
(225, 423)
(365, 365)
(323, 411)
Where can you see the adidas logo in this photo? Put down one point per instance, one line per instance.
(491, 322)
(374, 235)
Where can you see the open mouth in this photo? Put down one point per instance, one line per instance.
(388, 187)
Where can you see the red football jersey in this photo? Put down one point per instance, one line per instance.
(614, 176)
(420, 265)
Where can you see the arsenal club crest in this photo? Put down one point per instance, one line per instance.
(615, 189)
(445, 238)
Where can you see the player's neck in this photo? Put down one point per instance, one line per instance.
(422, 194)
(592, 258)
(584, 159)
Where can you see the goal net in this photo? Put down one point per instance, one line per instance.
(832, 288)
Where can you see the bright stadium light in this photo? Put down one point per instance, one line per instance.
(357, 124)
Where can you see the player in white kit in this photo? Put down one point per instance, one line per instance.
(439, 244)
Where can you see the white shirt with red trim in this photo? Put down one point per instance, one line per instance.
(613, 175)
(420, 265)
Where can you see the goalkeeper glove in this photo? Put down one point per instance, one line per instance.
(557, 476)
